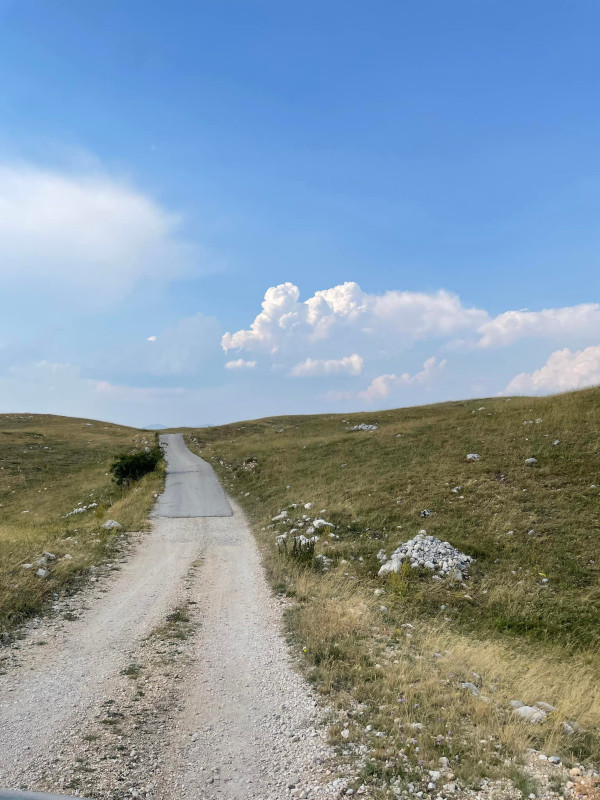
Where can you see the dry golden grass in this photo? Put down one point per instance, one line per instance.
(587, 789)
(405, 675)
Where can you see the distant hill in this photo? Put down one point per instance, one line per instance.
(155, 427)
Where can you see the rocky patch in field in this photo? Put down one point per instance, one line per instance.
(302, 530)
(363, 426)
(430, 553)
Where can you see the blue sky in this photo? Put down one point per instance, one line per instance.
(422, 179)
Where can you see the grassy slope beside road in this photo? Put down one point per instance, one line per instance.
(526, 626)
(48, 466)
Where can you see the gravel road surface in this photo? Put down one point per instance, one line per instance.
(246, 724)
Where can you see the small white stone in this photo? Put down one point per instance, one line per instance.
(530, 714)
(112, 524)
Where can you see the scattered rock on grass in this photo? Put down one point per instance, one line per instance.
(569, 727)
(112, 524)
(546, 707)
(473, 457)
(531, 714)
(321, 523)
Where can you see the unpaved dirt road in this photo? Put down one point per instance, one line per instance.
(192, 488)
(238, 721)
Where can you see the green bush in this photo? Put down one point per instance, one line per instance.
(131, 467)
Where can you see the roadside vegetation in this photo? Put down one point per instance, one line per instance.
(130, 467)
(56, 491)
(424, 670)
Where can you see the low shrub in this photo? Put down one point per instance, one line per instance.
(130, 467)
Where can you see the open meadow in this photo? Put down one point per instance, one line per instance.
(50, 468)
(423, 668)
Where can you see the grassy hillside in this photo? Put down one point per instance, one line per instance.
(48, 467)
(526, 623)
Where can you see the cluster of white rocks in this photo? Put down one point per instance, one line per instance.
(80, 509)
(302, 530)
(363, 426)
(430, 553)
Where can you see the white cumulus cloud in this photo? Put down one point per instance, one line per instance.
(564, 370)
(240, 363)
(382, 385)
(505, 329)
(92, 237)
(400, 318)
(319, 367)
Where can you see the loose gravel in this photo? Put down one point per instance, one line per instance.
(222, 712)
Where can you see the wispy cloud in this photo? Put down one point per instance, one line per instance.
(85, 236)
(382, 385)
(321, 367)
(240, 364)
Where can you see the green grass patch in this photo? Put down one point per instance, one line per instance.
(178, 626)
(50, 467)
